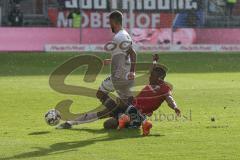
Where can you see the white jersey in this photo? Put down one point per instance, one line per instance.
(121, 62)
(121, 39)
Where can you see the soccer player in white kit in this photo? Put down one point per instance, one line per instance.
(122, 62)
(122, 67)
(122, 75)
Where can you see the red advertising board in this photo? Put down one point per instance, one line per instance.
(144, 14)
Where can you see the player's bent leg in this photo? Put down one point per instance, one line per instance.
(102, 94)
(111, 123)
(123, 89)
(110, 113)
(107, 101)
(85, 118)
(137, 119)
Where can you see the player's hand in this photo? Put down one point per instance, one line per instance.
(177, 111)
(155, 57)
(107, 61)
(131, 75)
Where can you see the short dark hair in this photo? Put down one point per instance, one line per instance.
(117, 16)
(161, 70)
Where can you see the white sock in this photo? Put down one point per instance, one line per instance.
(85, 118)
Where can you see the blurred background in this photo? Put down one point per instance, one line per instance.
(155, 25)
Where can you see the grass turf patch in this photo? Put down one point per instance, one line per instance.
(205, 86)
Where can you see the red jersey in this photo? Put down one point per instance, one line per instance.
(151, 97)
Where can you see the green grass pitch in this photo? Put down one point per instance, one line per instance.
(205, 86)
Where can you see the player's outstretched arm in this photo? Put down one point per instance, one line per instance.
(133, 57)
(155, 59)
(172, 104)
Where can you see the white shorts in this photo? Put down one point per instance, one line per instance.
(122, 87)
(107, 86)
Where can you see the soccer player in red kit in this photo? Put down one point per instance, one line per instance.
(154, 94)
(148, 100)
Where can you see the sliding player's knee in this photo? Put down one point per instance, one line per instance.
(111, 123)
(103, 97)
(100, 95)
(107, 101)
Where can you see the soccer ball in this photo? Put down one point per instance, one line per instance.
(53, 117)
